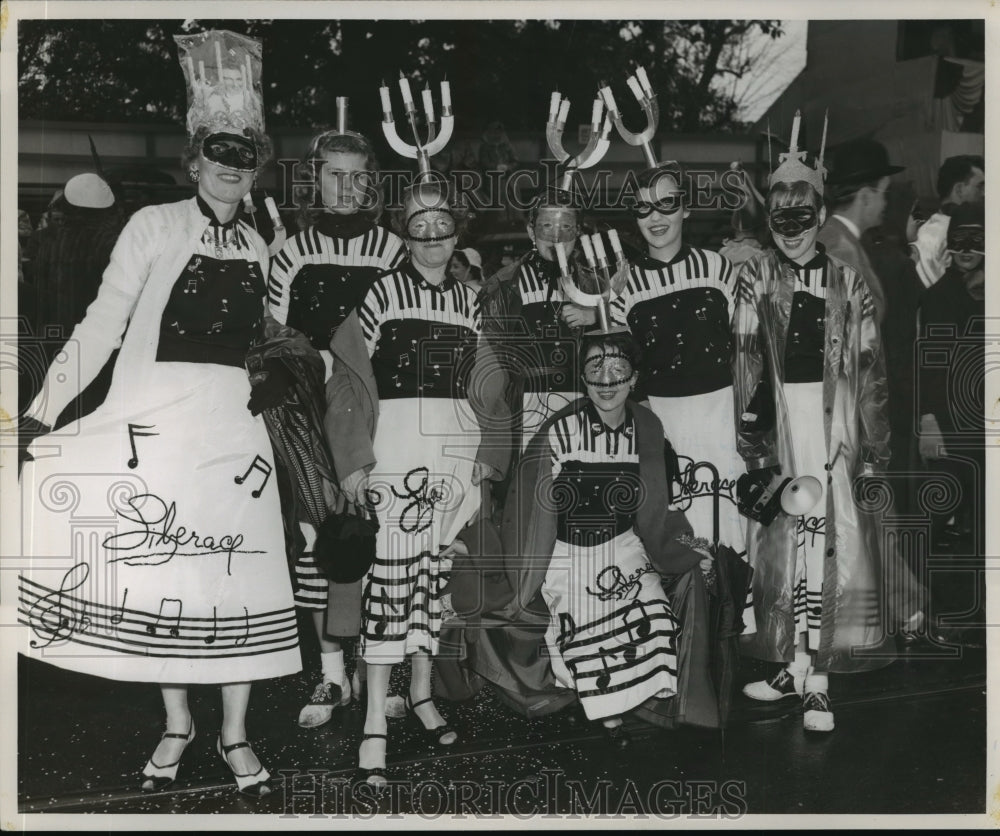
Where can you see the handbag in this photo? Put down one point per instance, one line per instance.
(345, 543)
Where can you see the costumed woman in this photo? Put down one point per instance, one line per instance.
(161, 558)
(678, 303)
(811, 400)
(406, 441)
(532, 327)
(604, 592)
(317, 278)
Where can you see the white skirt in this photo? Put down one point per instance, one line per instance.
(156, 542)
(612, 637)
(702, 428)
(805, 417)
(425, 450)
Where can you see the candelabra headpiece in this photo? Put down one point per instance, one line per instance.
(438, 132)
(639, 84)
(597, 145)
(599, 278)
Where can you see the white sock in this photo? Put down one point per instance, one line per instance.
(333, 666)
(819, 682)
(799, 666)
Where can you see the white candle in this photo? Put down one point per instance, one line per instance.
(428, 103)
(243, 75)
(201, 72)
(602, 256)
(272, 211)
(383, 92)
(561, 255)
(793, 144)
(609, 99)
(341, 114)
(249, 73)
(633, 85)
(218, 59)
(445, 94)
(404, 86)
(616, 245)
(190, 66)
(644, 80)
(822, 144)
(554, 106)
(588, 249)
(595, 115)
(563, 112)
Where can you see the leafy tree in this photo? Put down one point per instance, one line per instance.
(127, 70)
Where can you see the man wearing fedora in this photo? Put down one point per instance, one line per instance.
(860, 173)
(856, 187)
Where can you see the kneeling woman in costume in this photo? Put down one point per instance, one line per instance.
(405, 442)
(580, 609)
(612, 635)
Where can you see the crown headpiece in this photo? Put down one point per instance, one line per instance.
(222, 72)
(793, 166)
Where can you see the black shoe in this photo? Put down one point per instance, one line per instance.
(254, 784)
(436, 735)
(155, 777)
(618, 736)
(364, 773)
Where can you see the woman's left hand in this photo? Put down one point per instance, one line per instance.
(706, 562)
(456, 547)
(481, 471)
(576, 316)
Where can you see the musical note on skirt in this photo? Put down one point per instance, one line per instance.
(382, 622)
(137, 431)
(264, 467)
(175, 628)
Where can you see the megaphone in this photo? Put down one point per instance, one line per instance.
(799, 496)
(762, 502)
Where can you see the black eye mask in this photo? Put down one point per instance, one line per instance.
(665, 206)
(790, 221)
(967, 239)
(229, 151)
(607, 370)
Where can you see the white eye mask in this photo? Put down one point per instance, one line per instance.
(608, 369)
(427, 225)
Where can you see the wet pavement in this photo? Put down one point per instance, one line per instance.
(910, 738)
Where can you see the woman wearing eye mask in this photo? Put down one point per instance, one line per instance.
(405, 441)
(678, 304)
(187, 582)
(317, 278)
(598, 571)
(811, 400)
